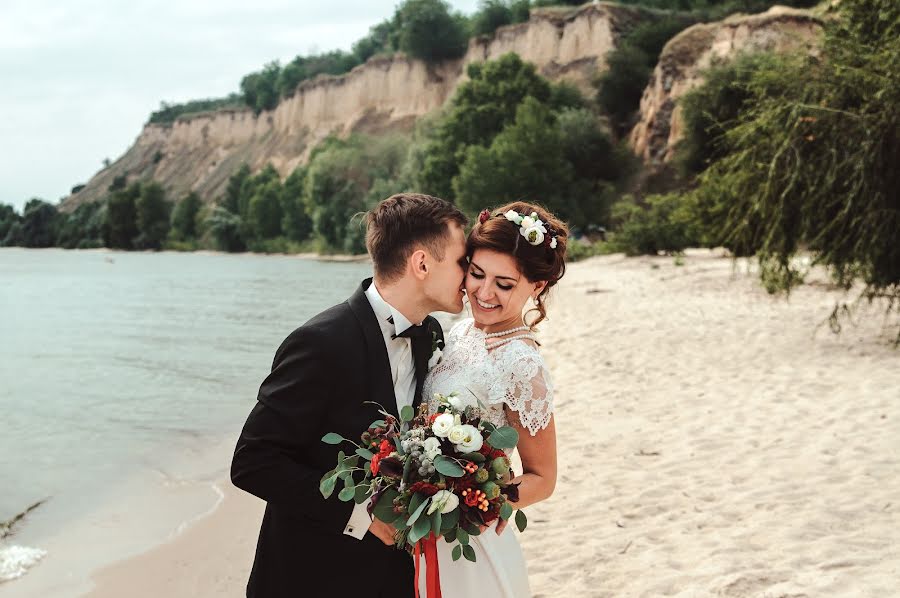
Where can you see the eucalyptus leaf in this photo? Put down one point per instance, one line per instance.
(415, 501)
(415, 515)
(474, 457)
(457, 552)
(384, 508)
(448, 467)
(462, 536)
(347, 493)
(420, 529)
(506, 511)
(407, 414)
(365, 454)
(361, 494)
(521, 520)
(326, 486)
(450, 536)
(449, 520)
(469, 553)
(378, 423)
(504, 438)
(332, 438)
(436, 523)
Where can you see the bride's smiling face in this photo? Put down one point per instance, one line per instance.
(497, 290)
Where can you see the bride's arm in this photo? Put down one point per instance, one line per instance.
(538, 454)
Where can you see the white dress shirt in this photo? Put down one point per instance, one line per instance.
(403, 374)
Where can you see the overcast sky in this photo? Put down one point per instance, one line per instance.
(80, 77)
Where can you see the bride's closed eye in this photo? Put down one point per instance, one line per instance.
(478, 276)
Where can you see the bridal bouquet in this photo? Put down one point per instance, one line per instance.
(444, 475)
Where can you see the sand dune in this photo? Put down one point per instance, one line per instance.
(714, 441)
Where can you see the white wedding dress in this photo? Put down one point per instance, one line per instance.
(512, 375)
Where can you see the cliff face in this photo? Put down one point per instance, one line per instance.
(689, 53)
(199, 153)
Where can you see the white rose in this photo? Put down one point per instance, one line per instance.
(533, 235)
(444, 500)
(513, 216)
(432, 447)
(472, 440)
(553, 243)
(442, 424)
(435, 358)
(527, 222)
(459, 403)
(457, 434)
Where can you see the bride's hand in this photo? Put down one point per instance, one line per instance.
(501, 525)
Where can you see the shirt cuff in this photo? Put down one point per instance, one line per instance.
(359, 521)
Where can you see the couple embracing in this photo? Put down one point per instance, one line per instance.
(382, 346)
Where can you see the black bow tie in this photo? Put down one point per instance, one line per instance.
(420, 331)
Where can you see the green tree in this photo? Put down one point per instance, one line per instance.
(427, 30)
(481, 108)
(39, 224)
(232, 198)
(710, 110)
(8, 217)
(184, 217)
(296, 224)
(620, 87)
(83, 228)
(225, 229)
(338, 184)
(490, 15)
(260, 89)
(811, 162)
(121, 217)
(265, 211)
(153, 216)
(524, 162)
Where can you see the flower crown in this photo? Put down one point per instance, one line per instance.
(531, 227)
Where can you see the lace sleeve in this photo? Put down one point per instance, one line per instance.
(523, 384)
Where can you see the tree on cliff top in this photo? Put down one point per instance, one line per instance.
(429, 31)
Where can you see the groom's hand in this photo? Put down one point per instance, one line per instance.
(383, 531)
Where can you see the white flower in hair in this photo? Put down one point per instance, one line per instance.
(513, 216)
(534, 235)
(553, 243)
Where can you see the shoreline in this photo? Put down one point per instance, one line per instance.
(189, 564)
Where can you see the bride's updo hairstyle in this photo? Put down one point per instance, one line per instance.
(545, 260)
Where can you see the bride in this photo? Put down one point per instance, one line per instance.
(516, 254)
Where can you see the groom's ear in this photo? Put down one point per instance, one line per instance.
(418, 261)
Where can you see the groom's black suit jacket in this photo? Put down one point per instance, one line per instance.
(321, 375)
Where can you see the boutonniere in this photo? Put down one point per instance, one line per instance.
(437, 350)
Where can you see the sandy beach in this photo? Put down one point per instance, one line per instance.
(713, 441)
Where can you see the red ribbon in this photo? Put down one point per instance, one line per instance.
(432, 572)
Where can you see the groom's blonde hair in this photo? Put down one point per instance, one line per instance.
(403, 222)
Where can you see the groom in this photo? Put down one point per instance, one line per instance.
(373, 347)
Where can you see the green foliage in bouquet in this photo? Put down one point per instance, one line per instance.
(445, 475)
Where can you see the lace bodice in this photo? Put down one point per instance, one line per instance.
(512, 375)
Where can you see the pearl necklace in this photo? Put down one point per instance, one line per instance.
(504, 341)
(505, 332)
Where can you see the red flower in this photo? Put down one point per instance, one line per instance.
(485, 449)
(374, 464)
(471, 498)
(484, 216)
(424, 488)
(385, 448)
